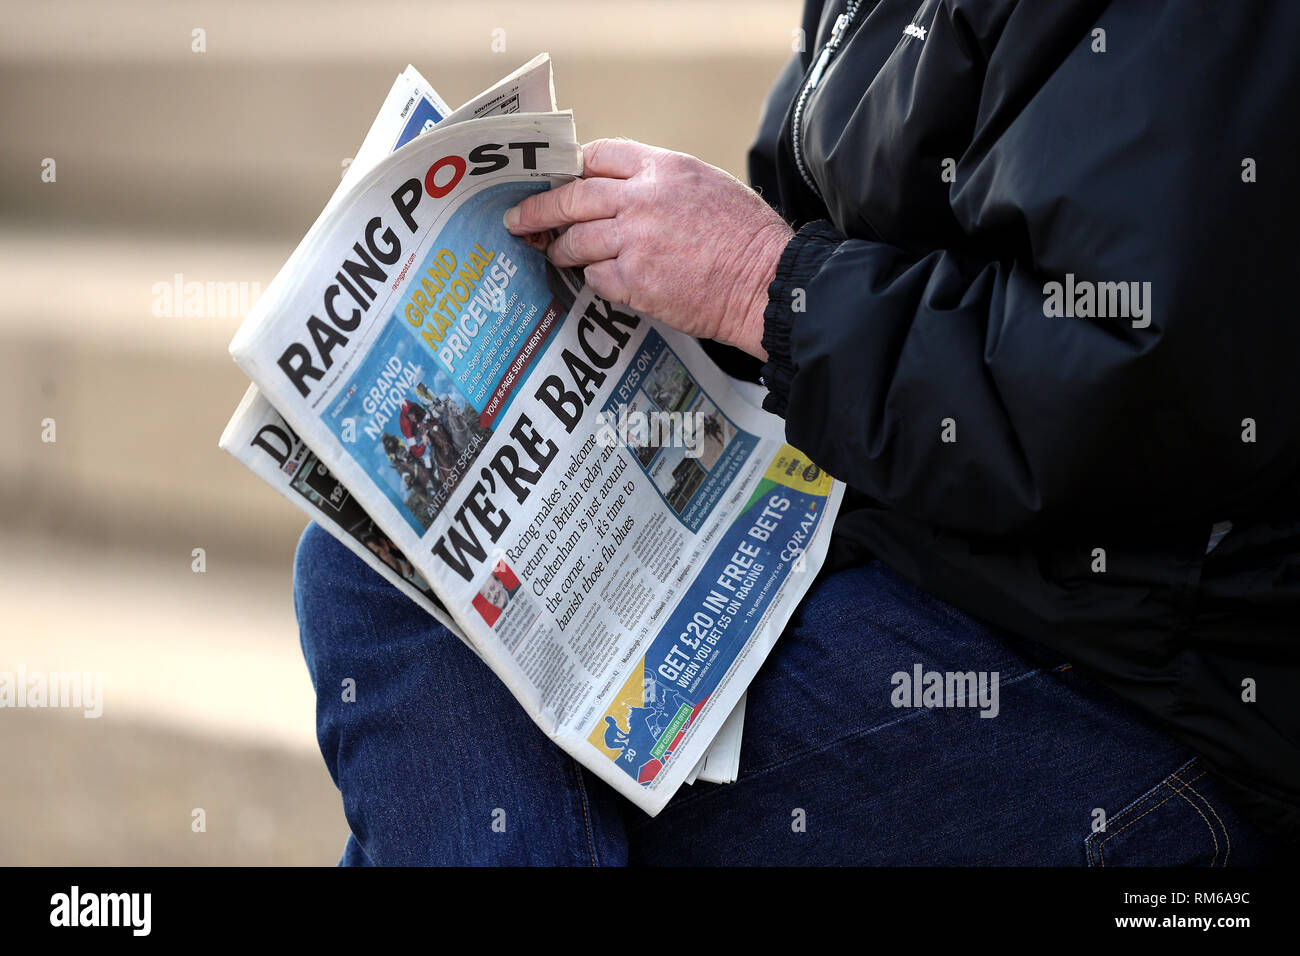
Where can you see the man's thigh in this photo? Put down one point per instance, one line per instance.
(840, 765)
(436, 761)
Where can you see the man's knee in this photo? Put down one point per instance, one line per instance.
(317, 552)
(321, 574)
(338, 597)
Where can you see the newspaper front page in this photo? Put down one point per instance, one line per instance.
(619, 534)
(259, 438)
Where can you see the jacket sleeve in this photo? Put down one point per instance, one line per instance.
(941, 388)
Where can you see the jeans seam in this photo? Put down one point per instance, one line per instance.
(1213, 836)
(1132, 806)
(586, 813)
(794, 755)
(1101, 856)
(1226, 838)
(811, 751)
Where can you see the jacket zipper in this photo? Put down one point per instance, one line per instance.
(842, 23)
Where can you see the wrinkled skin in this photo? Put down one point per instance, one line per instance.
(668, 235)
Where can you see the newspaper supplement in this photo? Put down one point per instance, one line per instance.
(262, 440)
(412, 108)
(621, 536)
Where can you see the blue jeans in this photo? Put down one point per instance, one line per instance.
(438, 764)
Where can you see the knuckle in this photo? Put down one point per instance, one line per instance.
(617, 233)
(608, 195)
(574, 243)
(648, 166)
(559, 248)
(639, 192)
(596, 150)
(627, 267)
(566, 199)
(598, 277)
(640, 235)
(531, 211)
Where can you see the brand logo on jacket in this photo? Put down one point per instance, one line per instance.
(912, 30)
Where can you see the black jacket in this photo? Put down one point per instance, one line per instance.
(955, 157)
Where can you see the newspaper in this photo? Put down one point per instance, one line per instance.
(614, 528)
(258, 436)
(263, 441)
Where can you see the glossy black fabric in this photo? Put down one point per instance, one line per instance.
(909, 308)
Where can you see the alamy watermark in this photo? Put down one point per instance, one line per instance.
(1085, 299)
(53, 689)
(938, 689)
(645, 430)
(190, 299)
(127, 910)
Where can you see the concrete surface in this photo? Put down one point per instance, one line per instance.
(206, 704)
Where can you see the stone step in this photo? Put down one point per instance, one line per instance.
(249, 137)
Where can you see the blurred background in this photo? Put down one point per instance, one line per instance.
(149, 143)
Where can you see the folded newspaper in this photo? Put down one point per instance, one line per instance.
(574, 490)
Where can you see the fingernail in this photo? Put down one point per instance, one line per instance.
(511, 218)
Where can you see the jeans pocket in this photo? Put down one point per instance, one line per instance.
(1172, 824)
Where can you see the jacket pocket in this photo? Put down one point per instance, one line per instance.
(1172, 824)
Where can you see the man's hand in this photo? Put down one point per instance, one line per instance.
(668, 235)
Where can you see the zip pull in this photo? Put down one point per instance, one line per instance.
(837, 32)
(815, 76)
(842, 23)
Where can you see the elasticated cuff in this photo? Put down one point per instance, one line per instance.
(804, 255)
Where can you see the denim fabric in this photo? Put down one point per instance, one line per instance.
(437, 764)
